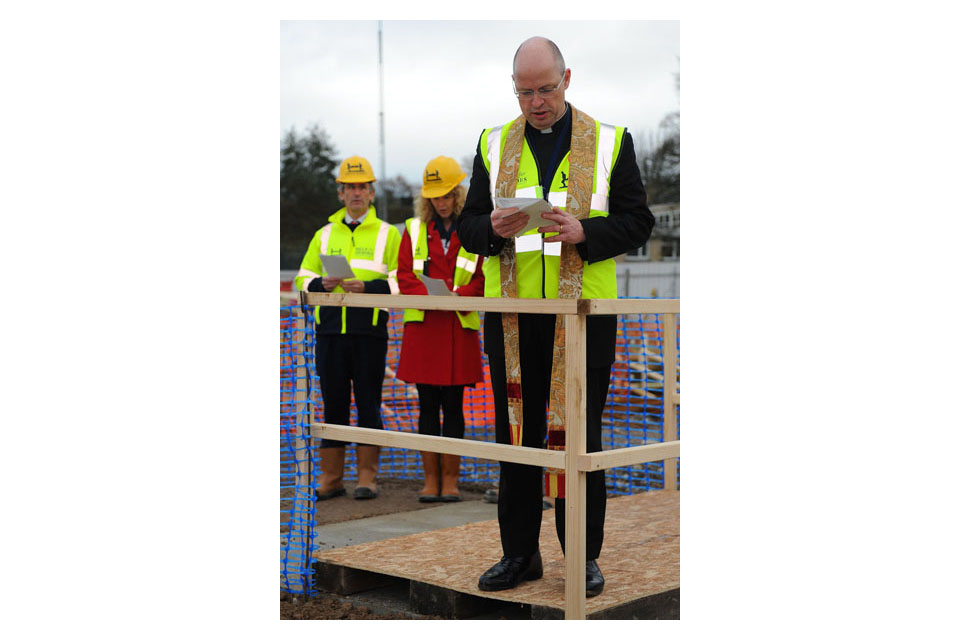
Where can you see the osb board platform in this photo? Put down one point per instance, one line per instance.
(640, 556)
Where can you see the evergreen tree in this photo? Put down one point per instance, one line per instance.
(308, 190)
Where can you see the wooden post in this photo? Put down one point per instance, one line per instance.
(670, 396)
(575, 423)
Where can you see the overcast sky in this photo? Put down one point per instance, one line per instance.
(445, 81)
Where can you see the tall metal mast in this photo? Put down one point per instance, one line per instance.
(381, 192)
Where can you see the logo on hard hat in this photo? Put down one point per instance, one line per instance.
(355, 168)
(432, 177)
(563, 180)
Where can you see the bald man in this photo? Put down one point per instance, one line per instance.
(533, 156)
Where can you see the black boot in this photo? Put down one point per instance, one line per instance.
(594, 579)
(510, 572)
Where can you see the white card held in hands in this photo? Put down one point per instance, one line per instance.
(336, 267)
(435, 286)
(533, 207)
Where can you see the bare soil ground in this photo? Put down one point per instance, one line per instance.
(328, 606)
(325, 607)
(396, 496)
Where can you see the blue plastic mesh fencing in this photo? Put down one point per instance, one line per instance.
(297, 473)
(633, 416)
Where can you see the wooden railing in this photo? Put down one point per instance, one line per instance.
(574, 459)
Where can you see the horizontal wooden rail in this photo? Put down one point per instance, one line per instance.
(440, 444)
(593, 307)
(501, 305)
(443, 303)
(628, 456)
(494, 451)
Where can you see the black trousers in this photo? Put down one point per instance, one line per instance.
(519, 506)
(345, 358)
(432, 397)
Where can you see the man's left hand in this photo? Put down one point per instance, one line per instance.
(569, 228)
(353, 286)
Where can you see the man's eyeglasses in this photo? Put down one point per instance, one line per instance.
(527, 94)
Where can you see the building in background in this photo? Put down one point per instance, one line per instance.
(653, 270)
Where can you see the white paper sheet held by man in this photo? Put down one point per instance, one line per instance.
(533, 207)
(336, 267)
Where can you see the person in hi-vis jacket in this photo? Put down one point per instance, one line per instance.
(351, 341)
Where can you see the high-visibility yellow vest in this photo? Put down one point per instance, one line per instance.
(462, 274)
(538, 263)
(371, 249)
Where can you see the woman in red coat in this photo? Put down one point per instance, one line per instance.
(441, 349)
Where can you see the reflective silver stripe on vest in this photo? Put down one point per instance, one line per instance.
(325, 238)
(466, 264)
(493, 154)
(414, 242)
(527, 192)
(381, 245)
(597, 201)
(308, 276)
(531, 242)
(392, 282)
(369, 265)
(606, 139)
(307, 273)
(551, 248)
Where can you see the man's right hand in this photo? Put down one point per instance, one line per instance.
(507, 223)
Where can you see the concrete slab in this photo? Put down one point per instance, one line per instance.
(352, 532)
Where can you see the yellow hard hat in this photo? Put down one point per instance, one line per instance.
(356, 169)
(441, 176)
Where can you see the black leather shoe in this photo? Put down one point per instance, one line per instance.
(510, 572)
(363, 493)
(594, 579)
(333, 493)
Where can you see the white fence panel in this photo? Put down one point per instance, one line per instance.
(648, 279)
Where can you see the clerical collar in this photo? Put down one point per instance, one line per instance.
(549, 129)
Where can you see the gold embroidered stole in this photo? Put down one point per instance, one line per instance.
(579, 192)
(507, 188)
